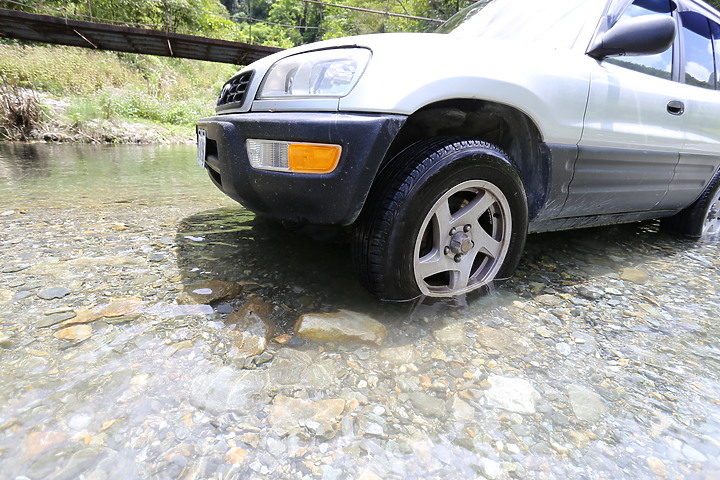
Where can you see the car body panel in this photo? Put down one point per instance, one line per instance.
(509, 73)
(614, 147)
(630, 143)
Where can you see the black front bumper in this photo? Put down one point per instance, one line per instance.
(335, 198)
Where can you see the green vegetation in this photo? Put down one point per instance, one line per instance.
(206, 17)
(294, 22)
(282, 23)
(103, 96)
(71, 94)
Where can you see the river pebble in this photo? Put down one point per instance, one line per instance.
(53, 292)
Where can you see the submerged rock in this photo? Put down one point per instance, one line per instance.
(236, 455)
(512, 394)
(77, 333)
(342, 326)
(490, 468)
(452, 335)
(496, 338)
(54, 319)
(38, 442)
(400, 355)
(6, 296)
(53, 293)
(306, 418)
(227, 389)
(253, 328)
(254, 309)
(657, 466)
(634, 275)
(114, 308)
(461, 410)
(550, 300)
(427, 405)
(209, 292)
(586, 404)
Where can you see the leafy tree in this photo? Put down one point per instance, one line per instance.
(339, 22)
(306, 18)
(265, 34)
(207, 17)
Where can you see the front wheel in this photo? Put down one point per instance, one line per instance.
(447, 217)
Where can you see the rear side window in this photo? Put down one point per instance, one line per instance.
(699, 46)
(659, 65)
(715, 28)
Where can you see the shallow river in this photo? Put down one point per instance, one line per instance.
(599, 360)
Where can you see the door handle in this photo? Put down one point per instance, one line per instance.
(675, 107)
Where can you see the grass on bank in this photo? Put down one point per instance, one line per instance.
(88, 95)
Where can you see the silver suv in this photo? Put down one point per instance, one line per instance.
(443, 150)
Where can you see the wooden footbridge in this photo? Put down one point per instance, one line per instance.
(103, 36)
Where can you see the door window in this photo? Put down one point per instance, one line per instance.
(659, 65)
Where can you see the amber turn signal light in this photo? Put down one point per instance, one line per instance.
(313, 158)
(286, 156)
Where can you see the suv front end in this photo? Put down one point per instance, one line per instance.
(280, 147)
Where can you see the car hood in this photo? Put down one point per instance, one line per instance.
(409, 60)
(408, 71)
(396, 45)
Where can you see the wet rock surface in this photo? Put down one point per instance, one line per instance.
(599, 359)
(209, 292)
(342, 326)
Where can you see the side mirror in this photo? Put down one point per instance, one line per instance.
(644, 35)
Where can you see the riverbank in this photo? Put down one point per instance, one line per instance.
(33, 116)
(38, 117)
(49, 94)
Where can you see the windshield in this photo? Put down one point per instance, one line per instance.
(522, 20)
(463, 16)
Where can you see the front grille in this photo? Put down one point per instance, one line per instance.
(235, 89)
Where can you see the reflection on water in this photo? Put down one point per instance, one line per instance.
(24, 160)
(231, 244)
(599, 359)
(83, 173)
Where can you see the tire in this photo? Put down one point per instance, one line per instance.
(702, 218)
(447, 217)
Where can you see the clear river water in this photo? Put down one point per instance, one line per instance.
(600, 359)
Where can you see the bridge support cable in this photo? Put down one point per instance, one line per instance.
(376, 12)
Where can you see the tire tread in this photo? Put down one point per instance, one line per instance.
(393, 185)
(690, 221)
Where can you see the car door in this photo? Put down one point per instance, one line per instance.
(633, 130)
(699, 157)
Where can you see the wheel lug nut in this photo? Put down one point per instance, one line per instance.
(447, 250)
(467, 228)
(453, 231)
(458, 258)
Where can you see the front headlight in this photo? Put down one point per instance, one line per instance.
(331, 73)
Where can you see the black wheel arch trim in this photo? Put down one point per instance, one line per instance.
(504, 126)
